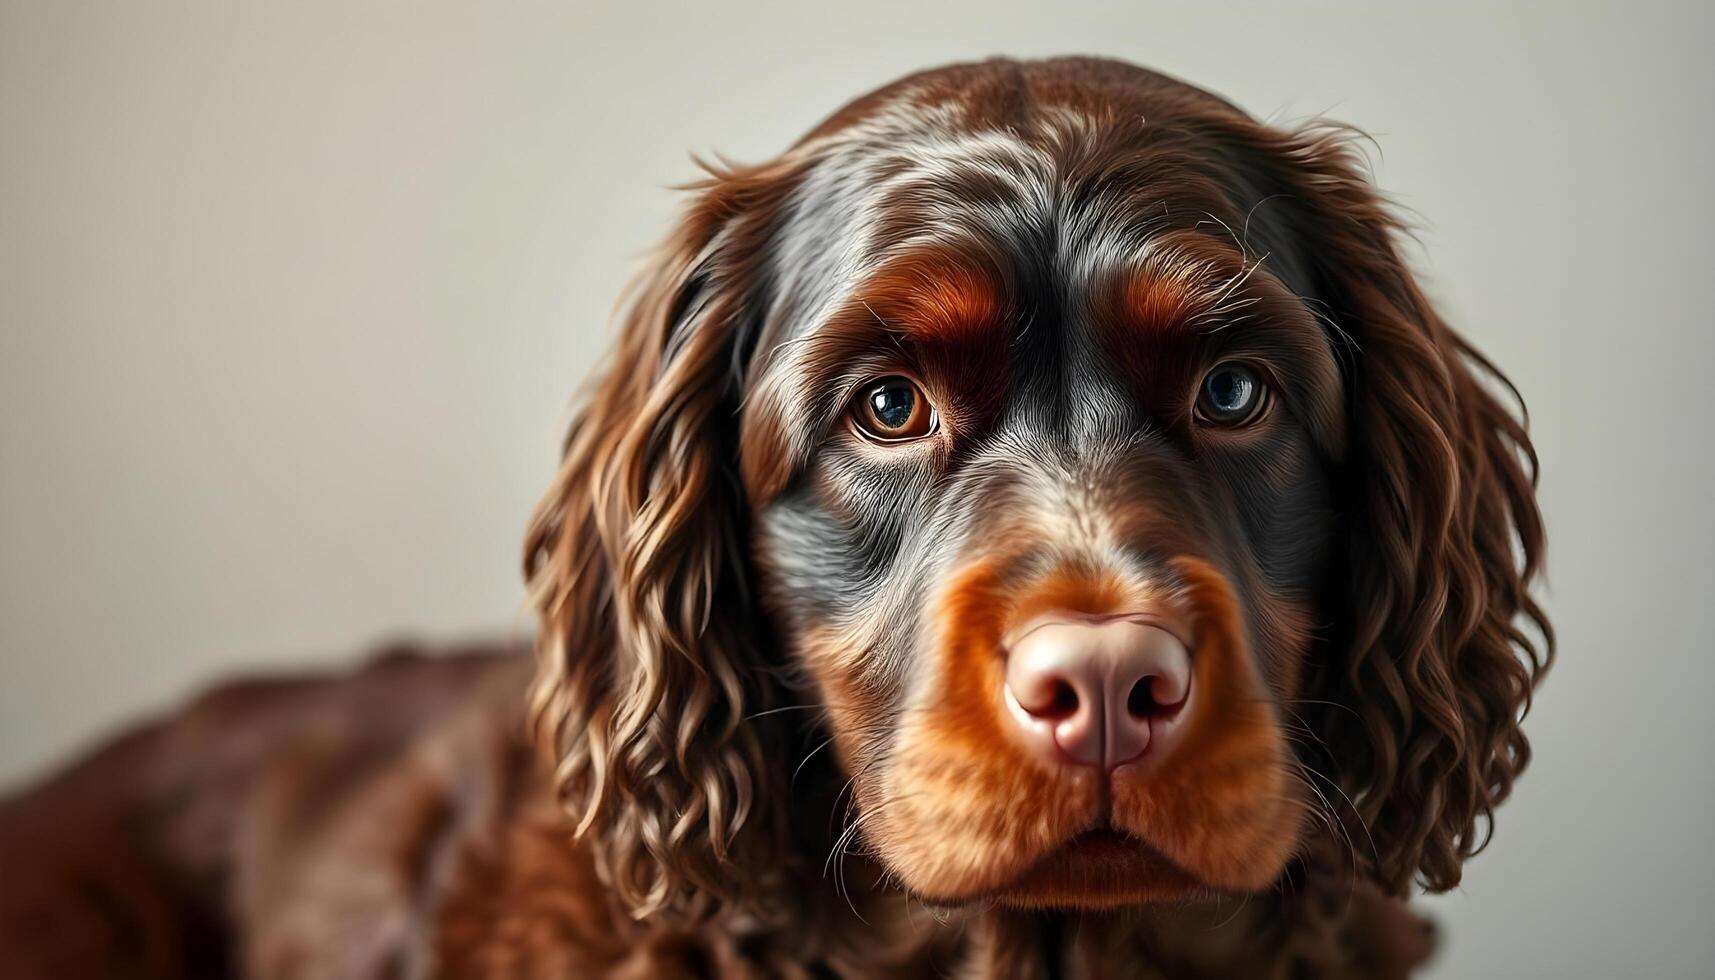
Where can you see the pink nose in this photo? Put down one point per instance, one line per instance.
(1095, 691)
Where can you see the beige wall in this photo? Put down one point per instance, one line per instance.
(291, 303)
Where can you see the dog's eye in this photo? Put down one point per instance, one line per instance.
(1231, 394)
(893, 409)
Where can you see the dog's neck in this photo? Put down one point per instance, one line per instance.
(1359, 934)
(1315, 925)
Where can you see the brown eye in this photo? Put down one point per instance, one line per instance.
(893, 410)
(1231, 395)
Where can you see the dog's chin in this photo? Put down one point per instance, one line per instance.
(1095, 869)
(1100, 869)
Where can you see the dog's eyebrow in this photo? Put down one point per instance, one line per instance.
(1187, 283)
(932, 297)
(921, 303)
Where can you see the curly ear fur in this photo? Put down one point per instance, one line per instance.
(1444, 540)
(648, 655)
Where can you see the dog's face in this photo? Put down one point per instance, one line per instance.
(1079, 449)
(1041, 408)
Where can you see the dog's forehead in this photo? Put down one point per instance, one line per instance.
(900, 179)
(1068, 201)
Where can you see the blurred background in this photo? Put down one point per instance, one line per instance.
(292, 302)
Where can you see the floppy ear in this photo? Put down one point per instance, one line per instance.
(649, 654)
(1443, 541)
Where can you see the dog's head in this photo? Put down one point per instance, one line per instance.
(1083, 453)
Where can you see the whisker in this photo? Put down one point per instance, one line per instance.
(780, 710)
(808, 756)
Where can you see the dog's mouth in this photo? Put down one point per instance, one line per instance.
(1099, 868)
(1104, 842)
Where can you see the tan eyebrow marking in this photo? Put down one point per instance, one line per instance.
(1158, 303)
(934, 299)
(1182, 281)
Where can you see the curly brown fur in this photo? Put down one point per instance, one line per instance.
(1443, 543)
(639, 551)
(635, 560)
(763, 730)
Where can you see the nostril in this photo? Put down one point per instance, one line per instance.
(1142, 702)
(1048, 698)
(1062, 702)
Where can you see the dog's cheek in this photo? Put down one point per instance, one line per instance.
(960, 807)
(857, 701)
(1283, 627)
(1225, 805)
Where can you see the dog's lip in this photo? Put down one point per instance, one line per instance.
(1099, 845)
(1104, 841)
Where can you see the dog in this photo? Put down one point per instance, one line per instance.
(1035, 526)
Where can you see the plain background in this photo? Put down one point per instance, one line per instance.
(292, 302)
